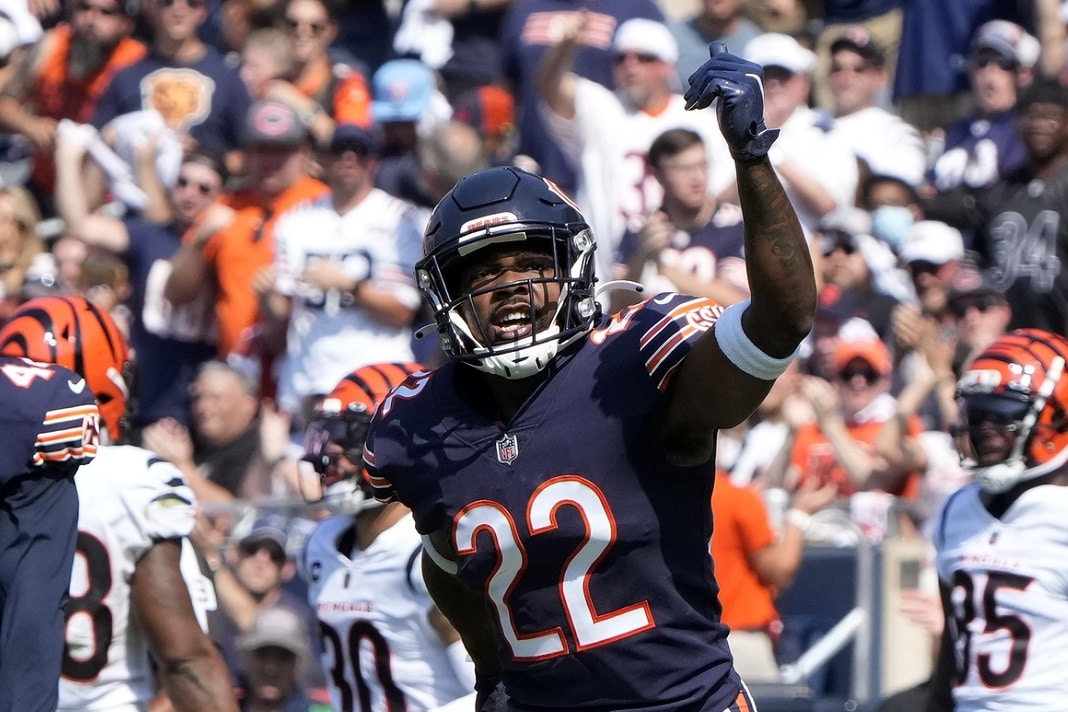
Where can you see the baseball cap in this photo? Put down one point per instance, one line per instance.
(401, 90)
(869, 349)
(646, 36)
(858, 39)
(490, 110)
(353, 137)
(273, 123)
(1008, 40)
(842, 226)
(931, 241)
(279, 627)
(774, 49)
(267, 529)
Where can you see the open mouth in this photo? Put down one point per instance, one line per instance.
(512, 323)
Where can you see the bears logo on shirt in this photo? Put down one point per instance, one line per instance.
(181, 96)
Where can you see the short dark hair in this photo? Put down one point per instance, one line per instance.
(671, 143)
(1044, 90)
(208, 159)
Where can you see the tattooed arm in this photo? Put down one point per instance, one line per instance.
(711, 390)
(783, 302)
(191, 670)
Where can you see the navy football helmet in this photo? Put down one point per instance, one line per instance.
(500, 206)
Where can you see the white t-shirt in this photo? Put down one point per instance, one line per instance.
(129, 500)
(608, 141)
(329, 335)
(1009, 583)
(375, 601)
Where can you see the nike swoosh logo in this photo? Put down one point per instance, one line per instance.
(76, 387)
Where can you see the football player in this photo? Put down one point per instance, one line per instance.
(1001, 542)
(127, 594)
(51, 427)
(559, 464)
(386, 644)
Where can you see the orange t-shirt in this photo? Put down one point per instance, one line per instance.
(58, 95)
(343, 92)
(813, 455)
(237, 253)
(740, 528)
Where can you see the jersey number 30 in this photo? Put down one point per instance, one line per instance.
(589, 628)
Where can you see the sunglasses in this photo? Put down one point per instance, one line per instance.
(642, 57)
(846, 247)
(253, 548)
(1002, 62)
(847, 375)
(918, 267)
(202, 188)
(191, 4)
(982, 303)
(105, 11)
(843, 68)
(293, 25)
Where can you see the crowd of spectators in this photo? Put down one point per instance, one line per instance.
(244, 185)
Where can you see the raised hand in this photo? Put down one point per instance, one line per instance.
(739, 86)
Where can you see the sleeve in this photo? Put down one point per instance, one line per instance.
(393, 264)
(70, 430)
(162, 502)
(668, 326)
(754, 528)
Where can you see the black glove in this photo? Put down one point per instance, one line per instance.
(739, 86)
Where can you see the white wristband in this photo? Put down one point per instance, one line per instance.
(799, 519)
(741, 351)
(461, 665)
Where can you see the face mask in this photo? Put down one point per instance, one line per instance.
(889, 223)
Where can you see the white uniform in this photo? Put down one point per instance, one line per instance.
(608, 140)
(329, 335)
(1009, 583)
(129, 500)
(374, 602)
(807, 142)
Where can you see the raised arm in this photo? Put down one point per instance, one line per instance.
(754, 340)
(191, 670)
(554, 80)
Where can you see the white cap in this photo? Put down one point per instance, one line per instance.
(931, 241)
(649, 36)
(773, 49)
(1009, 40)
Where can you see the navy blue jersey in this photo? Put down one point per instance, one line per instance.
(978, 152)
(594, 550)
(49, 419)
(204, 98)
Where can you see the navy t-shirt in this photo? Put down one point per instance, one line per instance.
(169, 342)
(205, 98)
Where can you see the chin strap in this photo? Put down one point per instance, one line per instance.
(616, 284)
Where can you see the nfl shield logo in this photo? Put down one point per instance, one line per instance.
(507, 449)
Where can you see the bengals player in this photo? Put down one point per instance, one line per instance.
(128, 597)
(1002, 547)
(385, 643)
